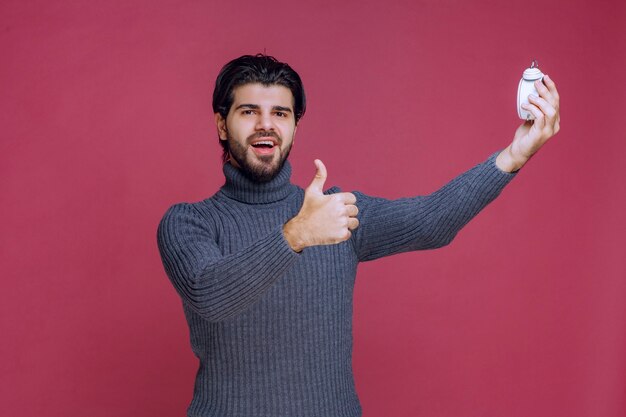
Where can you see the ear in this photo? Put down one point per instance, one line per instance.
(220, 122)
(295, 129)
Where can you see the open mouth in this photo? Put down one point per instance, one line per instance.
(263, 144)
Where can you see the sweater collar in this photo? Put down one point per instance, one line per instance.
(240, 188)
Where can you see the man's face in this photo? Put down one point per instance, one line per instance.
(259, 128)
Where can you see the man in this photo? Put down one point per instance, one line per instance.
(266, 269)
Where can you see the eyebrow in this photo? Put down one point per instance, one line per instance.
(257, 107)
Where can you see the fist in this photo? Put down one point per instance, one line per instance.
(322, 219)
(532, 135)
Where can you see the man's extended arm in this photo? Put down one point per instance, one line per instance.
(326, 220)
(388, 227)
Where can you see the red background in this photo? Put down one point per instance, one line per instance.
(106, 122)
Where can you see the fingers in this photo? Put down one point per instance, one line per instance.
(353, 222)
(552, 88)
(317, 185)
(548, 94)
(547, 126)
(539, 116)
(324, 219)
(352, 210)
(555, 101)
(346, 198)
(548, 119)
(545, 107)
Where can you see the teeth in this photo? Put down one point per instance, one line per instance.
(264, 142)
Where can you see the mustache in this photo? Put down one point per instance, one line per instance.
(265, 134)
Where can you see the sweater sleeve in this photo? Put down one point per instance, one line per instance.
(218, 286)
(388, 227)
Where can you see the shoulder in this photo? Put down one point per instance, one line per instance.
(179, 211)
(188, 215)
(185, 225)
(176, 217)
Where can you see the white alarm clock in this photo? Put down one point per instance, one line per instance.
(527, 87)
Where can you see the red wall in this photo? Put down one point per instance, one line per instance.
(106, 122)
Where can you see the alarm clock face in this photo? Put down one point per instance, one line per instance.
(525, 88)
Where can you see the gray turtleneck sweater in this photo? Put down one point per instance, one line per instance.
(272, 328)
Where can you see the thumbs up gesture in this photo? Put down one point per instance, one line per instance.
(322, 219)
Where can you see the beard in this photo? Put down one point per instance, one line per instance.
(258, 168)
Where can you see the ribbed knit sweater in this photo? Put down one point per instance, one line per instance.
(272, 328)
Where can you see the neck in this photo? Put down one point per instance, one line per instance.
(240, 188)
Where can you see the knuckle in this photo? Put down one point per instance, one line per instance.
(346, 198)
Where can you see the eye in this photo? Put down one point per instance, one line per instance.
(248, 112)
(281, 114)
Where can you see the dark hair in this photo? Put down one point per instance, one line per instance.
(249, 69)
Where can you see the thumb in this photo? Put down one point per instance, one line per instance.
(317, 185)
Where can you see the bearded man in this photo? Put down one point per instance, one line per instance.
(266, 269)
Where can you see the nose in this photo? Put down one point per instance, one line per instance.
(264, 121)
